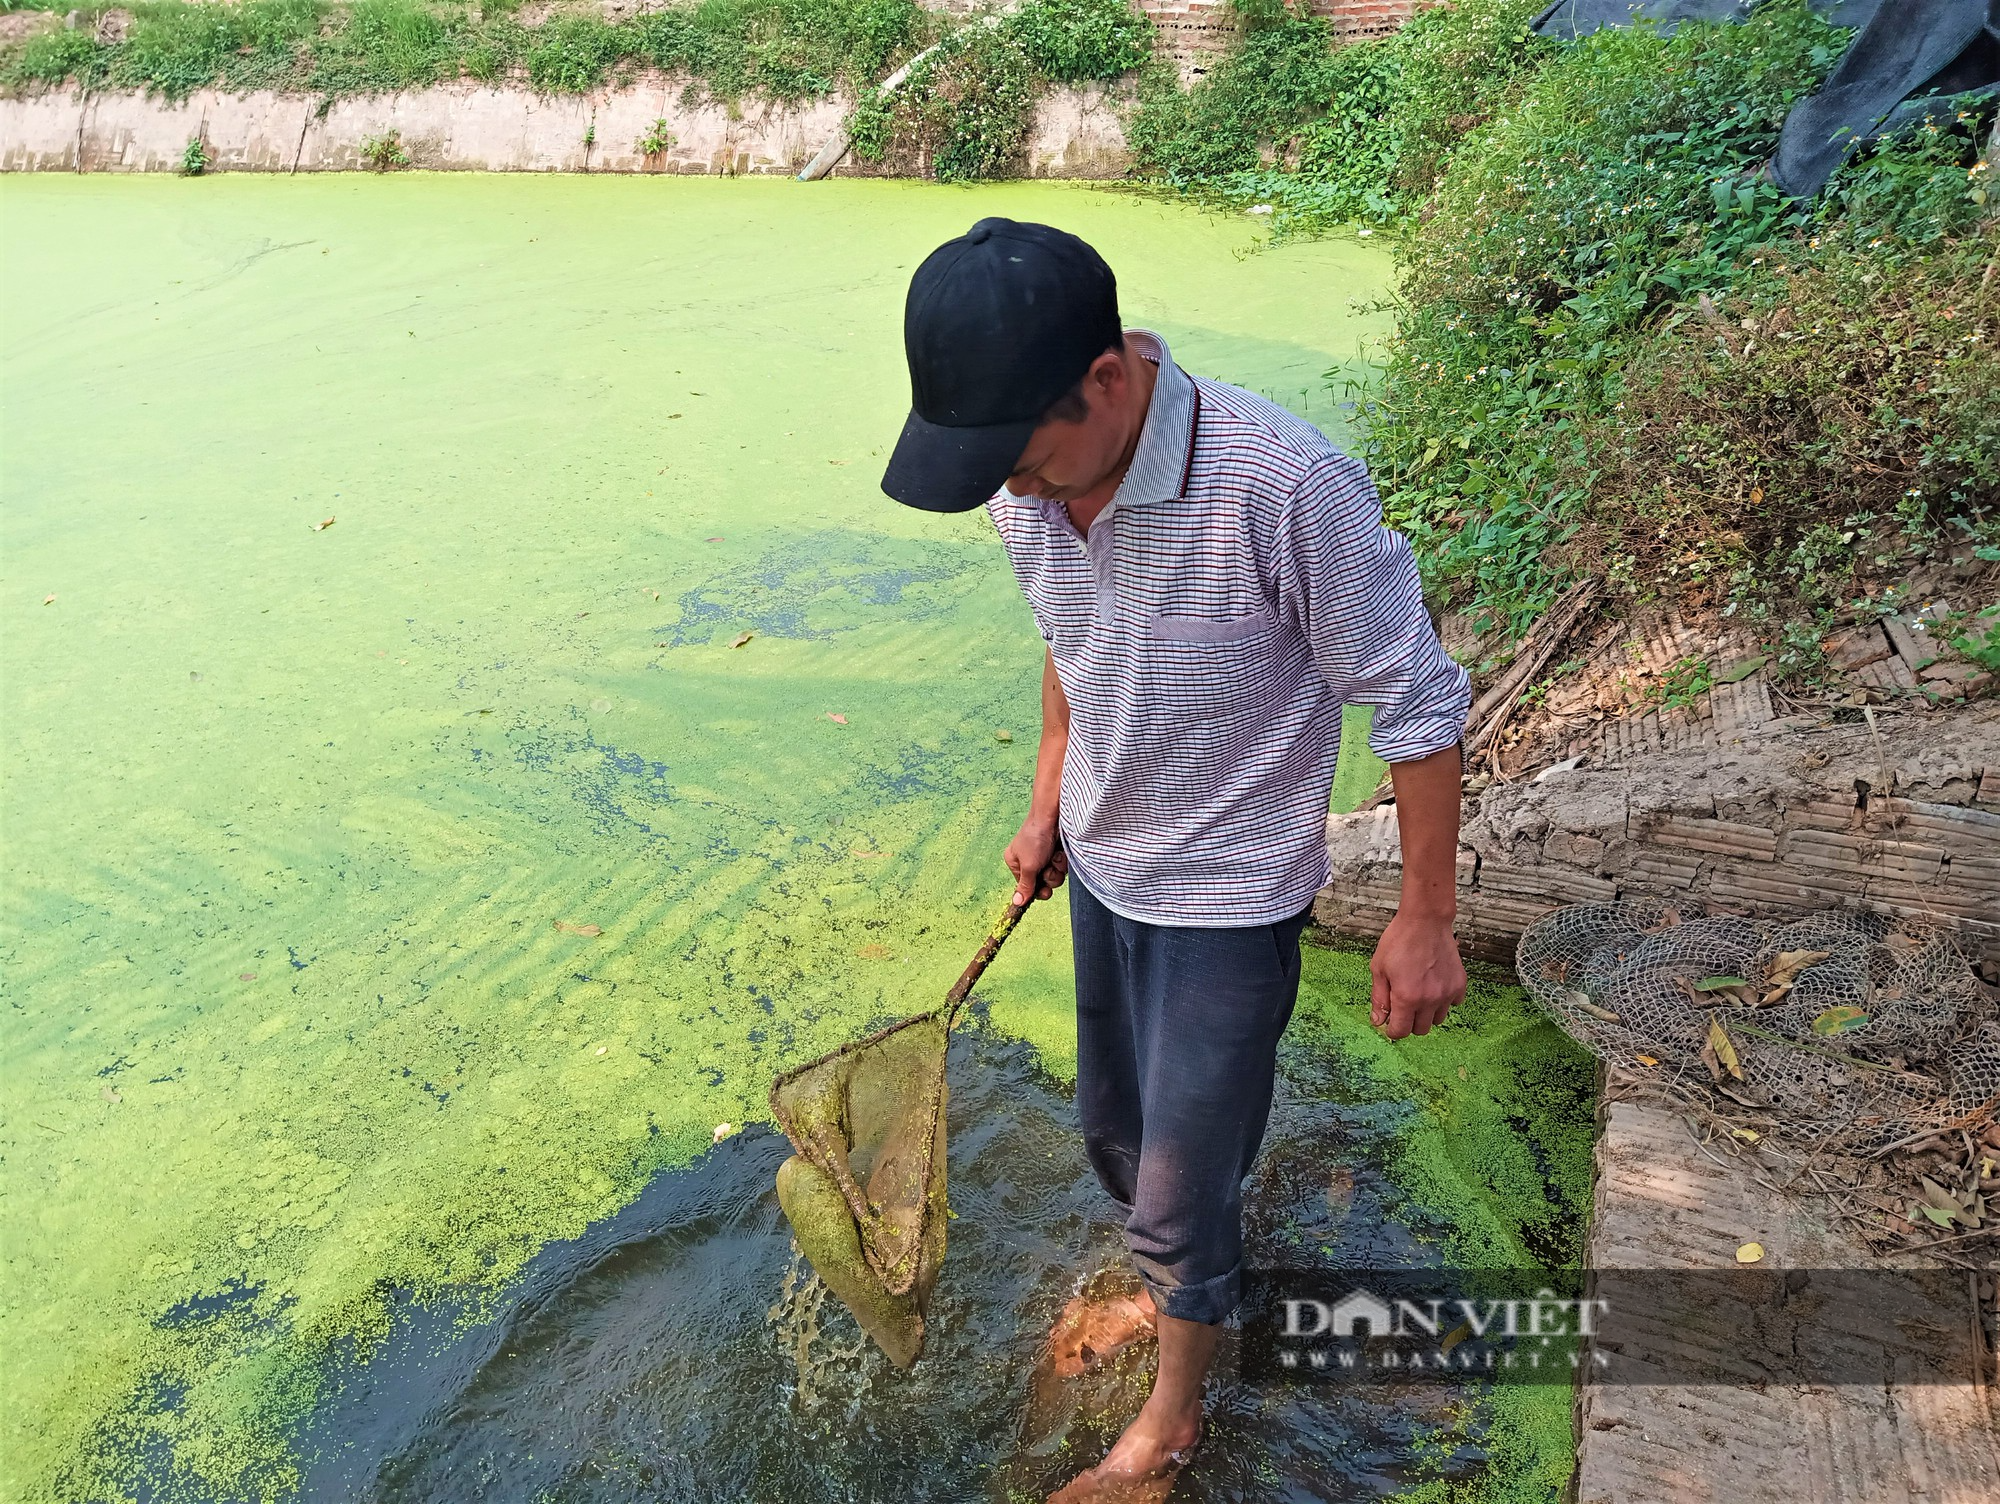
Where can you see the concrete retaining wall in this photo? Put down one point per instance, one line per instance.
(476, 127)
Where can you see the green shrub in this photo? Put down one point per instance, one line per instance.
(174, 49)
(573, 54)
(54, 56)
(1278, 78)
(387, 45)
(1082, 41)
(1621, 352)
(1616, 186)
(1461, 63)
(965, 110)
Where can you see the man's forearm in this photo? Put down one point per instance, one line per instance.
(1046, 802)
(1427, 801)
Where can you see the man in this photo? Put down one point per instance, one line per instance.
(1214, 582)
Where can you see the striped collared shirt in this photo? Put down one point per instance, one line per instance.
(1236, 592)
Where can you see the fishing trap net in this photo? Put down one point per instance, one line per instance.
(1848, 1031)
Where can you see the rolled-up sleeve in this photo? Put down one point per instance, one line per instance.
(1350, 586)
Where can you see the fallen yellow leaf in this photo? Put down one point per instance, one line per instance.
(320, 527)
(48, 600)
(1750, 1253)
(874, 953)
(1748, 1135)
(588, 931)
(740, 638)
(1647, 1059)
(1719, 1052)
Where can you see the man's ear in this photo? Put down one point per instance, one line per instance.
(1107, 374)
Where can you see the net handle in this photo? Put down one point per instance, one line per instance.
(990, 947)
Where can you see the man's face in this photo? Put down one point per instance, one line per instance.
(1066, 461)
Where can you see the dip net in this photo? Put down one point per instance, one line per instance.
(865, 1191)
(1849, 1031)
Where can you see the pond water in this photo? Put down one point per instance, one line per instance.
(405, 872)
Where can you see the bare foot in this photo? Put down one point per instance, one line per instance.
(1093, 1327)
(1142, 1466)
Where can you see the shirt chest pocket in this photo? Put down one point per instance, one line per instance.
(1209, 628)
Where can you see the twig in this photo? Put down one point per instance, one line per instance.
(1905, 1143)
(1962, 1237)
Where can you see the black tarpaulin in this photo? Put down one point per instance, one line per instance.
(1579, 18)
(1914, 59)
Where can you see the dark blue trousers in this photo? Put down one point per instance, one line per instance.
(1176, 1041)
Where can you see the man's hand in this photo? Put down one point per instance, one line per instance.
(1036, 859)
(1418, 976)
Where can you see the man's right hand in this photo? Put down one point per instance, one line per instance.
(1035, 857)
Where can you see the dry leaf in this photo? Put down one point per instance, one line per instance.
(48, 600)
(1647, 1059)
(740, 638)
(1750, 1253)
(1464, 1074)
(1747, 1135)
(246, 976)
(836, 717)
(320, 527)
(110, 1094)
(875, 953)
(716, 539)
(1844, 1019)
(1789, 963)
(1718, 1052)
(1003, 735)
(1455, 1336)
(588, 931)
(722, 1131)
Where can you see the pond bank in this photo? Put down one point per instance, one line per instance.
(473, 127)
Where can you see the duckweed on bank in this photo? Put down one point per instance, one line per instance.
(402, 864)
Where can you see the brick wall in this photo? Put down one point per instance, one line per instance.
(1193, 31)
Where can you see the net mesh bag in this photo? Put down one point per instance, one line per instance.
(1847, 1030)
(865, 1192)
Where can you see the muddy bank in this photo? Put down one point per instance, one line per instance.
(469, 127)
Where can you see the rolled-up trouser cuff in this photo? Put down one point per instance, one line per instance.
(1209, 1302)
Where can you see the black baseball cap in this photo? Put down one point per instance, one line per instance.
(999, 324)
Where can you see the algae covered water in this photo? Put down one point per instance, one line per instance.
(470, 719)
